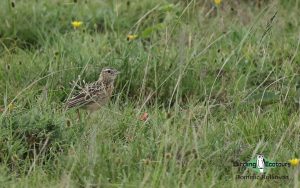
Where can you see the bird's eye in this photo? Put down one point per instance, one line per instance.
(109, 71)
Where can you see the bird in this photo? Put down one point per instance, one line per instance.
(92, 96)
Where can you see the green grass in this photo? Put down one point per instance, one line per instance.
(220, 85)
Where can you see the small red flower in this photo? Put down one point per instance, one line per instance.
(144, 117)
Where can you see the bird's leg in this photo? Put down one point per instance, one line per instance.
(78, 115)
(88, 113)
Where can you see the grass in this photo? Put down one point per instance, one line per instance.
(220, 85)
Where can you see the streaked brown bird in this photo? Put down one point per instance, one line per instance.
(93, 96)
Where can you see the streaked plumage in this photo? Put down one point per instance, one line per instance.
(94, 95)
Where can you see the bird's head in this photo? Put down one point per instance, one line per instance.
(108, 74)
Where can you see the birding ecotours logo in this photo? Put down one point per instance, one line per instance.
(261, 164)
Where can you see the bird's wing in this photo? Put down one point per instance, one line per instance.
(87, 95)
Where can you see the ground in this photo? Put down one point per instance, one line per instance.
(203, 87)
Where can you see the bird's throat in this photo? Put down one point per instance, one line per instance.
(106, 82)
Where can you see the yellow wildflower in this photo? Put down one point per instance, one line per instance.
(76, 24)
(294, 162)
(131, 37)
(218, 2)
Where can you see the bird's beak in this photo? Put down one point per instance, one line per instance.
(117, 72)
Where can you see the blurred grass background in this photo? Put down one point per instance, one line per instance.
(220, 84)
